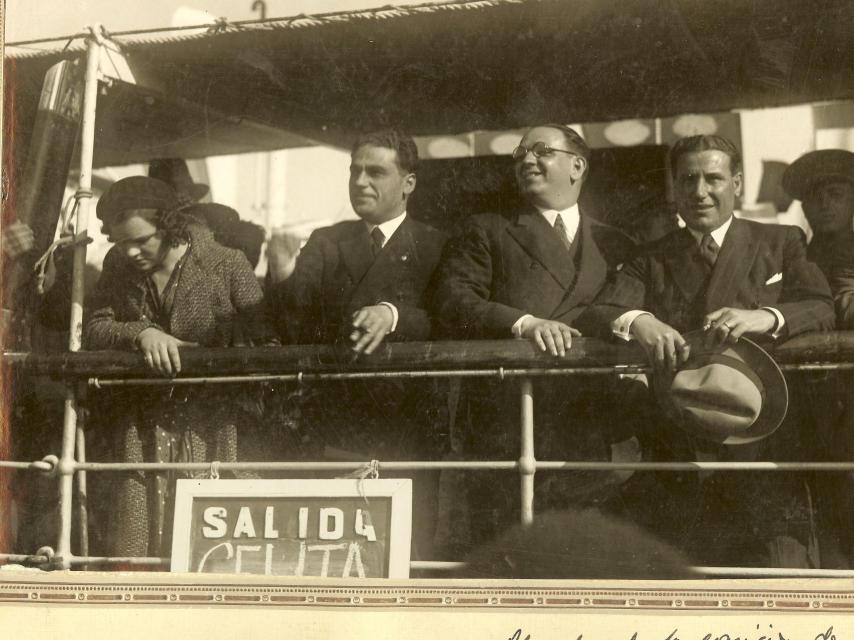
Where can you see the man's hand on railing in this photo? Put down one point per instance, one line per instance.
(370, 325)
(728, 325)
(160, 350)
(665, 347)
(551, 335)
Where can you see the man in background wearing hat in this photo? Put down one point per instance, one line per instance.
(824, 183)
(530, 274)
(730, 278)
(229, 230)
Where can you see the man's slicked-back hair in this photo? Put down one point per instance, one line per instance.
(700, 143)
(397, 141)
(574, 141)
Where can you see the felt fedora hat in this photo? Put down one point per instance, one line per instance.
(174, 172)
(731, 394)
(135, 192)
(815, 167)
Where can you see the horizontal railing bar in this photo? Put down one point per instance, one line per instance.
(437, 565)
(818, 366)
(695, 466)
(831, 350)
(500, 373)
(37, 465)
(414, 465)
(136, 561)
(293, 466)
(23, 558)
(369, 375)
(541, 465)
(770, 572)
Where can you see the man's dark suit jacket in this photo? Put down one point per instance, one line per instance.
(498, 269)
(505, 266)
(336, 274)
(759, 265)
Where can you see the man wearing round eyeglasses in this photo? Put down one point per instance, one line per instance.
(530, 274)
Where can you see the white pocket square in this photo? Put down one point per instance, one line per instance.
(775, 278)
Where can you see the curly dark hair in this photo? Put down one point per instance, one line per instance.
(173, 222)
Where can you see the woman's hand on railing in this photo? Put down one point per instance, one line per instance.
(160, 350)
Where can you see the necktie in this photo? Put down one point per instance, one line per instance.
(560, 228)
(709, 250)
(377, 240)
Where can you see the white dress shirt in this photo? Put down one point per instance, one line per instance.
(621, 326)
(571, 219)
(388, 228)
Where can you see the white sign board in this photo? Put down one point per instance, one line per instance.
(323, 528)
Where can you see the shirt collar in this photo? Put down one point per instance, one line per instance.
(388, 227)
(570, 217)
(718, 234)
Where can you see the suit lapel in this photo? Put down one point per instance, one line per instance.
(384, 270)
(540, 241)
(356, 253)
(684, 266)
(592, 270)
(734, 262)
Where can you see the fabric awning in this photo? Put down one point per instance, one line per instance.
(463, 66)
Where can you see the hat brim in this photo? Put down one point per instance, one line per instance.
(817, 166)
(776, 392)
(197, 190)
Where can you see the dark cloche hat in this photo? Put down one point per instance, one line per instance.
(731, 394)
(136, 192)
(817, 166)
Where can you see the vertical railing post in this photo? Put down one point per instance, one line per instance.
(527, 462)
(82, 490)
(75, 338)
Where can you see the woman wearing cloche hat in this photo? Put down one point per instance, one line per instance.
(166, 284)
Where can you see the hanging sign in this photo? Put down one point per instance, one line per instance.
(323, 528)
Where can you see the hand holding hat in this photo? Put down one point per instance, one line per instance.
(665, 347)
(730, 393)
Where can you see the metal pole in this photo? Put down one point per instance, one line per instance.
(75, 338)
(82, 489)
(501, 373)
(527, 462)
(66, 477)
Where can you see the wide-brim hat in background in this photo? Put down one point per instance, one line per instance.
(731, 394)
(176, 173)
(816, 167)
(136, 192)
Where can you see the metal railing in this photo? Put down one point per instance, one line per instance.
(496, 359)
